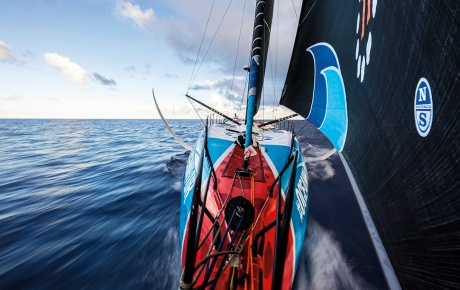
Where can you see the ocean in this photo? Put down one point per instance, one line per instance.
(94, 204)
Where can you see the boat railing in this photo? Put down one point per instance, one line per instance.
(260, 234)
(216, 119)
(191, 270)
(283, 225)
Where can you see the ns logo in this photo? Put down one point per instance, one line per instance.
(423, 107)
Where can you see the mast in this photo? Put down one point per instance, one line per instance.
(260, 39)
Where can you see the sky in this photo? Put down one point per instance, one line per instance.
(100, 59)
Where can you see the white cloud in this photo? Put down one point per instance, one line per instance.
(69, 69)
(5, 52)
(143, 19)
(217, 102)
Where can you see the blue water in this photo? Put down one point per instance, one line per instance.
(94, 204)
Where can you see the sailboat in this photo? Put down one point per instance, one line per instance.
(244, 205)
(380, 79)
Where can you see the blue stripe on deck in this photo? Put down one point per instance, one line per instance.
(217, 147)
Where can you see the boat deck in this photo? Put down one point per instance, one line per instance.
(250, 258)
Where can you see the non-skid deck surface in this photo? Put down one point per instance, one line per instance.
(236, 162)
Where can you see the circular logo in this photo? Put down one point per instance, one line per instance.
(423, 107)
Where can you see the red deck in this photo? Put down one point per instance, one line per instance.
(258, 269)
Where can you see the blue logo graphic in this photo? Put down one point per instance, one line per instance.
(329, 106)
(423, 107)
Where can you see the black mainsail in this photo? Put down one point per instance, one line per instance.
(381, 80)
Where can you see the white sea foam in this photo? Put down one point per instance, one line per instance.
(323, 264)
(321, 169)
(164, 271)
(173, 260)
(177, 185)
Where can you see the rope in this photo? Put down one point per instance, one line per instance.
(199, 50)
(238, 46)
(196, 112)
(209, 251)
(306, 15)
(298, 133)
(241, 242)
(215, 238)
(264, 64)
(276, 57)
(273, 81)
(244, 92)
(277, 38)
(182, 285)
(212, 40)
(295, 10)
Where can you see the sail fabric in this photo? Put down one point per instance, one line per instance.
(381, 80)
(328, 106)
(329, 109)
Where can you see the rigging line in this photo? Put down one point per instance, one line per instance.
(210, 248)
(196, 112)
(277, 47)
(308, 12)
(244, 92)
(292, 1)
(237, 50)
(246, 84)
(273, 80)
(217, 219)
(263, 104)
(238, 46)
(212, 40)
(199, 50)
(306, 123)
